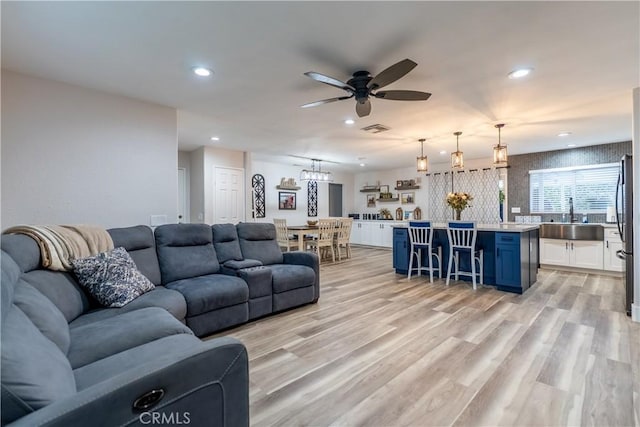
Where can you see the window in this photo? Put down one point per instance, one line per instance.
(592, 188)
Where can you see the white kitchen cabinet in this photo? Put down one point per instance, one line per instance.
(356, 233)
(372, 233)
(572, 253)
(554, 252)
(612, 244)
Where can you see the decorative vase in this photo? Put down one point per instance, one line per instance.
(458, 212)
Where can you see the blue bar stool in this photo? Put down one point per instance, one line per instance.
(462, 239)
(421, 238)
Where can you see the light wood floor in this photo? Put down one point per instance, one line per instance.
(378, 350)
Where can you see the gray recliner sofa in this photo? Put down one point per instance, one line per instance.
(120, 369)
(66, 360)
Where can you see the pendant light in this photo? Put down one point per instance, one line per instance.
(422, 160)
(499, 151)
(315, 175)
(456, 157)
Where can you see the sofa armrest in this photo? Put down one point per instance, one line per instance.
(206, 385)
(310, 259)
(245, 263)
(233, 267)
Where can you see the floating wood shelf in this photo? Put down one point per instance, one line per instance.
(280, 187)
(370, 190)
(414, 187)
(392, 199)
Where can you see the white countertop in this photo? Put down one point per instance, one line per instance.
(512, 228)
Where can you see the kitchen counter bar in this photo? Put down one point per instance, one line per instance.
(511, 253)
(509, 228)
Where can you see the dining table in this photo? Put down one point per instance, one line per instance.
(299, 231)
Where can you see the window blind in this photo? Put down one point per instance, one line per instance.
(592, 188)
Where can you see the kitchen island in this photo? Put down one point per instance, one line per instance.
(511, 253)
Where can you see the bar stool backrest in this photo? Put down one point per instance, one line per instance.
(420, 233)
(462, 234)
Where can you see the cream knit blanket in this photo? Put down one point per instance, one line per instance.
(60, 244)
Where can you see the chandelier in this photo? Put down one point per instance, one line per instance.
(457, 160)
(500, 151)
(422, 160)
(315, 175)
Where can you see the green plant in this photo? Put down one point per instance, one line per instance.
(501, 196)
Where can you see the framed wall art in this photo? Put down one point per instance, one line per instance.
(407, 198)
(371, 201)
(286, 200)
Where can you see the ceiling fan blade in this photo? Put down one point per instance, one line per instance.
(363, 108)
(329, 81)
(325, 101)
(403, 95)
(392, 74)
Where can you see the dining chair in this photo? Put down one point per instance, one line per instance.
(326, 230)
(343, 236)
(282, 235)
(421, 239)
(462, 240)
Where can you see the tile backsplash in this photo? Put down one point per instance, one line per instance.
(521, 164)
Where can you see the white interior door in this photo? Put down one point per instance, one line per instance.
(183, 212)
(229, 195)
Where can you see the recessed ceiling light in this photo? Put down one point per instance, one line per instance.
(202, 72)
(362, 165)
(519, 73)
(564, 134)
(349, 122)
(571, 145)
(215, 138)
(443, 152)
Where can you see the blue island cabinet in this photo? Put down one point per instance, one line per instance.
(510, 258)
(516, 260)
(401, 250)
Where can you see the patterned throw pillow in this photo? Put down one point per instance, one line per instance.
(111, 277)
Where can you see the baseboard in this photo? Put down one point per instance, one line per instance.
(635, 312)
(581, 270)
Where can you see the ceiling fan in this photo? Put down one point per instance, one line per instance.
(362, 85)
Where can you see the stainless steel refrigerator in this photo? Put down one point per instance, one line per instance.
(624, 215)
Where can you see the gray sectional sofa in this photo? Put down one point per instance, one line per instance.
(68, 361)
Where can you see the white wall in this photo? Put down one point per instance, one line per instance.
(184, 161)
(389, 177)
(76, 155)
(274, 172)
(203, 162)
(196, 188)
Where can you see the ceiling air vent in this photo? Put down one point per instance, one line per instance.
(377, 128)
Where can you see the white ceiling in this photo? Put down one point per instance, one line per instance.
(585, 57)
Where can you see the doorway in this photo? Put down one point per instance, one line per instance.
(335, 200)
(228, 195)
(183, 191)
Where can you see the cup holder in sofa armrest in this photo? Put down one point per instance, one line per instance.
(245, 263)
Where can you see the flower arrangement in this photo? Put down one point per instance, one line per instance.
(459, 201)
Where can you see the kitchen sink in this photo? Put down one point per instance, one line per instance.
(572, 231)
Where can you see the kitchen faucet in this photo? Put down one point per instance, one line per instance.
(571, 218)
